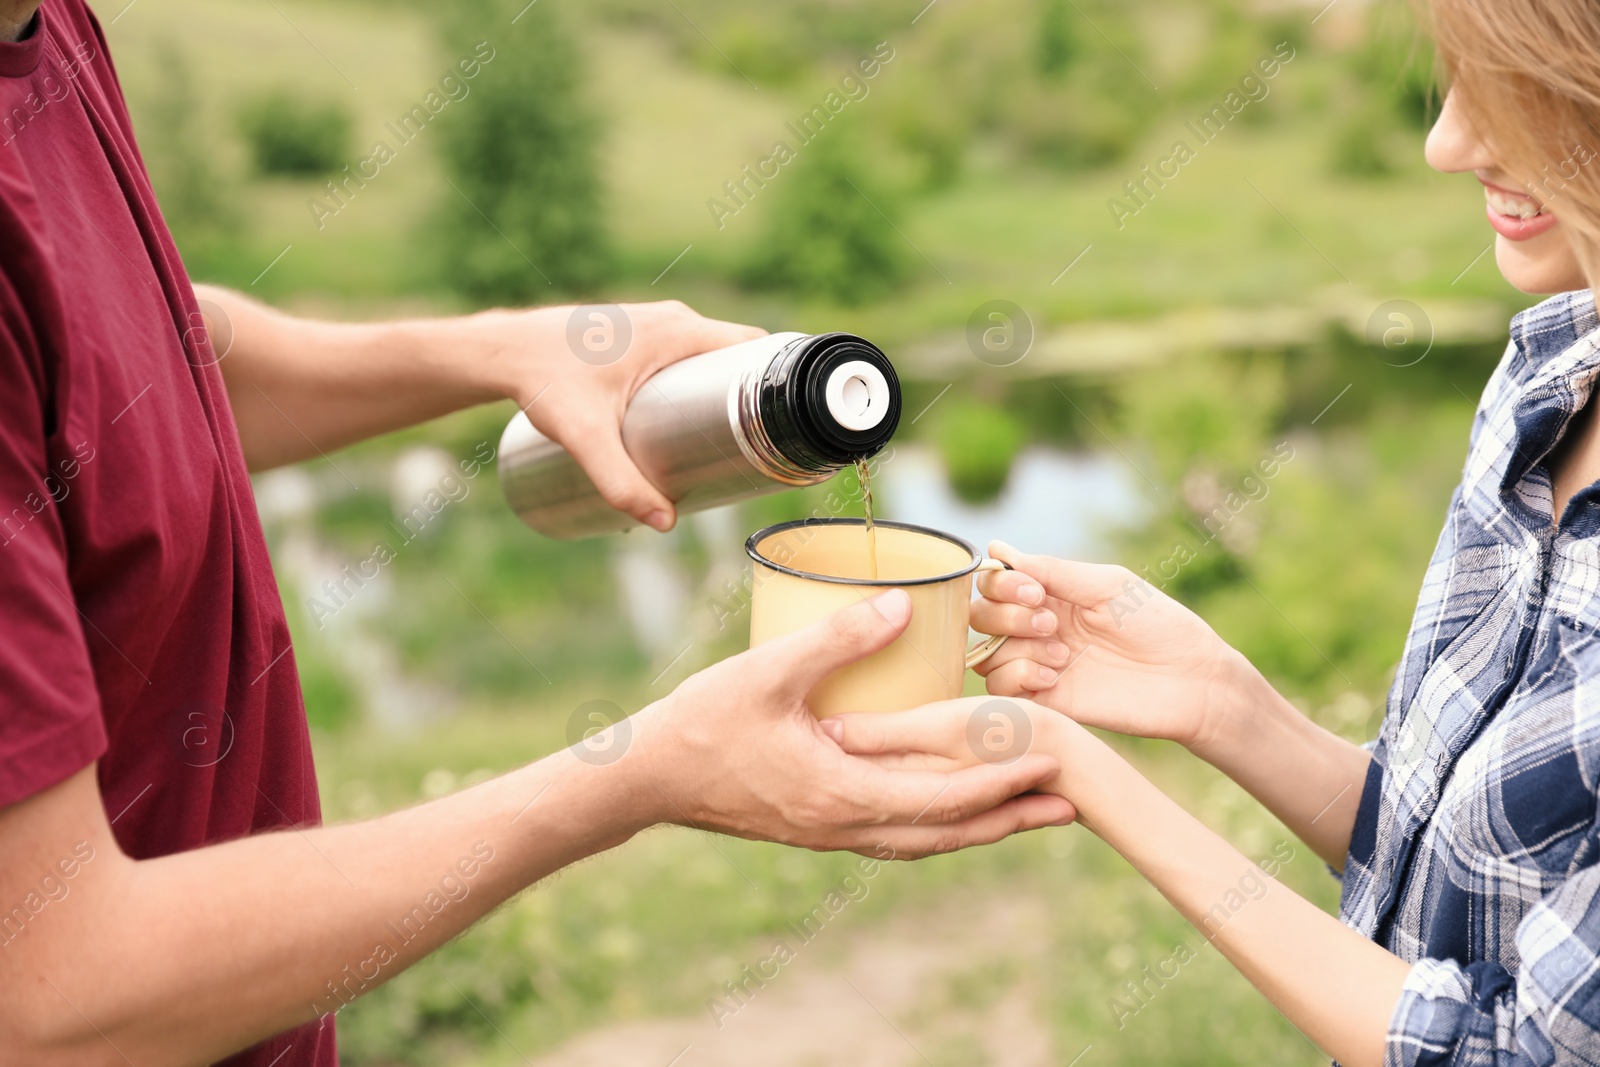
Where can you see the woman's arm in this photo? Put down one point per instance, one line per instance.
(1339, 988)
(1101, 645)
(300, 388)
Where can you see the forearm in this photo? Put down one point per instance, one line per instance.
(1307, 776)
(1336, 986)
(187, 958)
(300, 388)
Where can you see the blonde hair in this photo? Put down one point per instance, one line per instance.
(1526, 76)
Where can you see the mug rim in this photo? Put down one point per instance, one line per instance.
(892, 583)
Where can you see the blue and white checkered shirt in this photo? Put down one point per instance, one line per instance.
(1476, 851)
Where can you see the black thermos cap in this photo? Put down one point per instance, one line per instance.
(795, 405)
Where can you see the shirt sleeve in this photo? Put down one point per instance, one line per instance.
(50, 722)
(1547, 1014)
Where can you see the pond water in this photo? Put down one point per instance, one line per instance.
(1055, 502)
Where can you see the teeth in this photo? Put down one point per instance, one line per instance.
(1516, 207)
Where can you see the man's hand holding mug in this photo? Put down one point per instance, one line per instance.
(736, 749)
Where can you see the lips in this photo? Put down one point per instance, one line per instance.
(1515, 216)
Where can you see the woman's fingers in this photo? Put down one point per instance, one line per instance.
(1086, 585)
(1029, 812)
(1047, 652)
(1021, 678)
(969, 731)
(914, 761)
(909, 797)
(936, 728)
(1011, 586)
(1018, 620)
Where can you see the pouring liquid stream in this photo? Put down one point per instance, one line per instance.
(864, 479)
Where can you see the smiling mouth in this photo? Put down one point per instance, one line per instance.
(1512, 205)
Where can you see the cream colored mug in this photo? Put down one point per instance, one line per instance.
(807, 570)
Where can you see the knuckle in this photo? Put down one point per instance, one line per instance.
(673, 309)
(852, 627)
(1003, 681)
(617, 490)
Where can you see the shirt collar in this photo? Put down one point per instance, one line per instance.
(1558, 342)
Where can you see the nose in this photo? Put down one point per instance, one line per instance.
(1452, 145)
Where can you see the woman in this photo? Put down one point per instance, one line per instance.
(1467, 833)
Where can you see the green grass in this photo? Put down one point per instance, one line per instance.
(1256, 219)
(654, 927)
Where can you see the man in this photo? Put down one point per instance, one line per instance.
(156, 912)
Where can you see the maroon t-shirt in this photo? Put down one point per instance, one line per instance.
(142, 625)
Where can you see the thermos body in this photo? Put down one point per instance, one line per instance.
(784, 410)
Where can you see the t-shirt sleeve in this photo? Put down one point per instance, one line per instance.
(50, 721)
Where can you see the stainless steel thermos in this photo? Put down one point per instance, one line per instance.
(783, 410)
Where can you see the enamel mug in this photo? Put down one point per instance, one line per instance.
(808, 569)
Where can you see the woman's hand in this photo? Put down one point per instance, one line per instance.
(1102, 645)
(573, 370)
(736, 749)
(952, 735)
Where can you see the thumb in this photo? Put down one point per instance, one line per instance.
(802, 659)
(599, 451)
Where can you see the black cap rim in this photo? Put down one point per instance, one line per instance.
(801, 377)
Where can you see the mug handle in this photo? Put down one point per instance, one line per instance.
(989, 645)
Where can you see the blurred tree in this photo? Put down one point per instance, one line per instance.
(1058, 38)
(1089, 101)
(1392, 93)
(181, 161)
(830, 228)
(524, 213)
(292, 136)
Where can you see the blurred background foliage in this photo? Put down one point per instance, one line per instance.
(1216, 332)
(294, 137)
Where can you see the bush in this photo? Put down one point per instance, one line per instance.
(1085, 118)
(525, 211)
(295, 137)
(830, 226)
(978, 443)
(1395, 63)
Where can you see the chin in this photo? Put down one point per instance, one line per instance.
(1540, 267)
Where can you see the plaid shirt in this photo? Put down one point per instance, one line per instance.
(1476, 851)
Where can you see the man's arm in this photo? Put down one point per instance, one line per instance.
(300, 388)
(189, 957)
